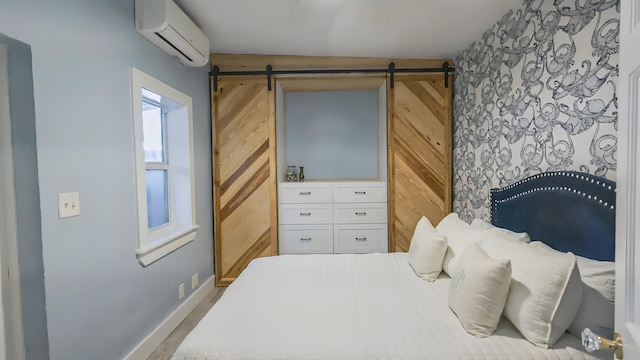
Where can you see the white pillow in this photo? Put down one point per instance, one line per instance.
(458, 242)
(452, 224)
(427, 250)
(506, 233)
(598, 299)
(545, 291)
(481, 224)
(478, 290)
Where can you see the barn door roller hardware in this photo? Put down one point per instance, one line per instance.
(391, 70)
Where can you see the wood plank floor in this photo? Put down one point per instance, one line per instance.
(171, 343)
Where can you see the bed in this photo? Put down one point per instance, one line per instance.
(373, 306)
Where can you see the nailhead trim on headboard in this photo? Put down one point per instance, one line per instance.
(570, 174)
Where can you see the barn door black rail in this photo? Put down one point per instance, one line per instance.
(391, 70)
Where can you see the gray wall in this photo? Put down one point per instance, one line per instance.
(100, 303)
(333, 134)
(536, 93)
(23, 125)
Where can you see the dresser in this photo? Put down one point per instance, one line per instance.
(332, 217)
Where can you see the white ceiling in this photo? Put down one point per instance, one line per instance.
(371, 28)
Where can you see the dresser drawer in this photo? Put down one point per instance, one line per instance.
(305, 214)
(360, 238)
(305, 239)
(304, 193)
(359, 192)
(360, 213)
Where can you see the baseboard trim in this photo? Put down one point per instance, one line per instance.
(157, 336)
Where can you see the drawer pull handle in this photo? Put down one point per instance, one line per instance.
(361, 239)
(305, 192)
(361, 193)
(305, 214)
(305, 239)
(361, 214)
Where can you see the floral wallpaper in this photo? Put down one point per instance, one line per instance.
(536, 93)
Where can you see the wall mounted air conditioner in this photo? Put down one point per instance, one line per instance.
(163, 23)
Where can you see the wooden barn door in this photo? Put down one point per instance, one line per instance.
(419, 126)
(245, 206)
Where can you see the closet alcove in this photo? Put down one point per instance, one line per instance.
(402, 136)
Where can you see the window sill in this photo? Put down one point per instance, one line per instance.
(164, 246)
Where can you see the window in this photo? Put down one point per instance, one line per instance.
(155, 159)
(162, 118)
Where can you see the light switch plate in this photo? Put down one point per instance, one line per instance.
(68, 204)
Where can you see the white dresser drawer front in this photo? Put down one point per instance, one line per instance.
(306, 214)
(305, 239)
(360, 192)
(360, 238)
(304, 193)
(360, 213)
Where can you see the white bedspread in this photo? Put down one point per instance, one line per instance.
(369, 306)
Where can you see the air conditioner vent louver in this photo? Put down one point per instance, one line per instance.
(164, 24)
(175, 48)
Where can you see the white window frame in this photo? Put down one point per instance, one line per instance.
(158, 242)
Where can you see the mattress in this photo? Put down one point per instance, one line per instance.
(365, 306)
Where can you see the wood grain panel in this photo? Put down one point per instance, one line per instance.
(238, 62)
(419, 125)
(245, 191)
(245, 217)
(240, 178)
(244, 234)
(250, 161)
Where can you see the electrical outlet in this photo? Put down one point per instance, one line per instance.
(68, 204)
(180, 291)
(194, 281)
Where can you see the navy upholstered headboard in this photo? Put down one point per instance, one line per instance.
(570, 211)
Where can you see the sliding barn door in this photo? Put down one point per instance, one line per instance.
(245, 206)
(419, 125)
